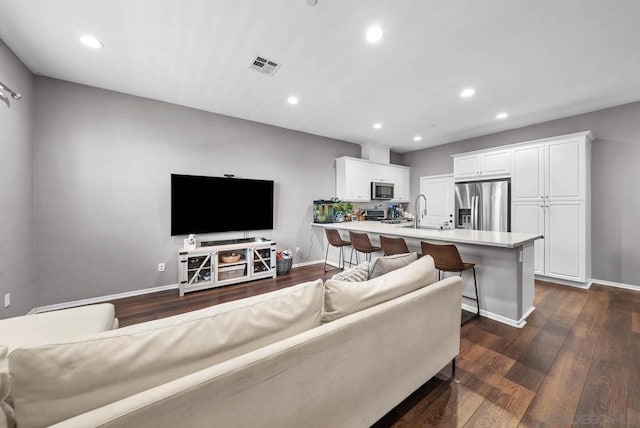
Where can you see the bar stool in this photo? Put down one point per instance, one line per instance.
(361, 243)
(391, 246)
(334, 239)
(447, 259)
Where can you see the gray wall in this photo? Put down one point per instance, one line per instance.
(615, 172)
(16, 187)
(102, 184)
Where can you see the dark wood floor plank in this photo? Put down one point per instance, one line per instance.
(575, 361)
(635, 321)
(634, 376)
(604, 398)
(633, 418)
(504, 406)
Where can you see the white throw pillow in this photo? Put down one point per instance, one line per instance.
(386, 264)
(355, 274)
(53, 382)
(343, 298)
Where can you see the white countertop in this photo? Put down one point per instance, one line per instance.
(462, 236)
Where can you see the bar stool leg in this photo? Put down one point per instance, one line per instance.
(341, 259)
(475, 283)
(351, 257)
(326, 254)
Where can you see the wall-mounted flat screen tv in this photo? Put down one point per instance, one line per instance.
(218, 204)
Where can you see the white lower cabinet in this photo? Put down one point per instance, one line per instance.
(565, 246)
(562, 252)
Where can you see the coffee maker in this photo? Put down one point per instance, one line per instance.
(394, 212)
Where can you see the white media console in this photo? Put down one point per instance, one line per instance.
(228, 263)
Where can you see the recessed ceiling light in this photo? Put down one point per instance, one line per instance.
(91, 42)
(417, 138)
(292, 100)
(501, 116)
(374, 34)
(377, 126)
(468, 92)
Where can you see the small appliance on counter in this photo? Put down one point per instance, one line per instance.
(394, 214)
(323, 211)
(374, 215)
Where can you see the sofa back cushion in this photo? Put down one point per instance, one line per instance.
(343, 298)
(385, 264)
(357, 273)
(53, 382)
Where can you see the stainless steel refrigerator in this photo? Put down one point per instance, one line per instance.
(483, 205)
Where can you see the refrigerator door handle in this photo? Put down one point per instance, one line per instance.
(473, 212)
(476, 213)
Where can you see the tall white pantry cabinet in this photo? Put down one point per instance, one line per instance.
(551, 195)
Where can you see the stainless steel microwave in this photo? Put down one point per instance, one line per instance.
(381, 191)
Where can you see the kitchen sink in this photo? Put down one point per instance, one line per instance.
(426, 227)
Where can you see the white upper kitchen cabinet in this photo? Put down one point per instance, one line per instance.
(354, 177)
(566, 162)
(439, 191)
(466, 167)
(353, 180)
(555, 170)
(401, 178)
(482, 165)
(527, 173)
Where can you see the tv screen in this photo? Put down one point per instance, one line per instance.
(218, 204)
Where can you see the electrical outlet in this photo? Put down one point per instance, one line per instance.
(161, 267)
(7, 300)
(298, 250)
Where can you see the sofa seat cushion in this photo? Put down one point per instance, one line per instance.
(54, 382)
(55, 326)
(344, 298)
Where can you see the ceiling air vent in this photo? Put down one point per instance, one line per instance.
(264, 65)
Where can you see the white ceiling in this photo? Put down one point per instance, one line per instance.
(535, 59)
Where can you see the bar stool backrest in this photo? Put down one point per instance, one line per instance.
(360, 242)
(445, 256)
(334, 238)
(391, 246)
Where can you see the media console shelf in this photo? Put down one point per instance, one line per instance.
(225, 264)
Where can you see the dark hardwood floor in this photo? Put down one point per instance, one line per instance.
(576, 362)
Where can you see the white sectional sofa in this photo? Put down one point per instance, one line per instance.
(304, 356)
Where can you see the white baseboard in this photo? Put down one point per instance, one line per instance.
(141, 292)
(311, 262)
(614, 284)
(584, 286)
(101, 299)
(504, 320)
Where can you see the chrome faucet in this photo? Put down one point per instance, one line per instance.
(415, 209)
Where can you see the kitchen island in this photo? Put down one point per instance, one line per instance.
(504, 263)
